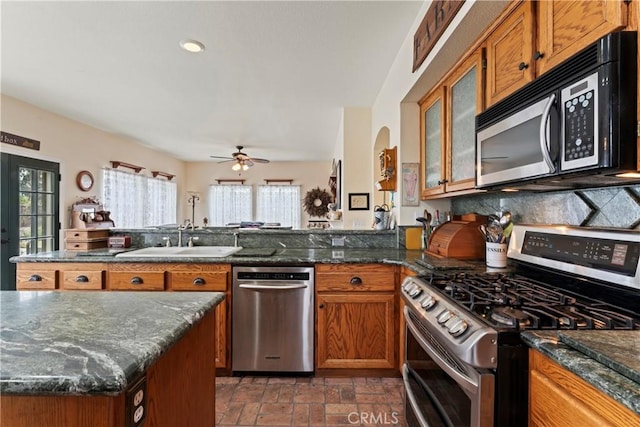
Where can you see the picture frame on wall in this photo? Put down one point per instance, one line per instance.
(358, 201)
(410, 177)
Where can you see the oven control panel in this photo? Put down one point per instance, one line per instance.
(609, 255)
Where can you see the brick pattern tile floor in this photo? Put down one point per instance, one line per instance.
(304, 401)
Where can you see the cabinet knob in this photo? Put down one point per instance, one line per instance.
(355, 280)
(135, 280)
(35, 278)
(82, 279)
(443, 181)
(199, 281)
(321, 306)
(522, 66)
(538, 55)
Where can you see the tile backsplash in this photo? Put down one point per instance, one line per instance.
(617, 207)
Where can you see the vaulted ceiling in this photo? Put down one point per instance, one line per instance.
(274, 75)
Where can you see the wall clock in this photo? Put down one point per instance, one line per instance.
(84, 179)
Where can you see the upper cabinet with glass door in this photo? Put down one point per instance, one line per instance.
(534, 36)
(448, 129)
(432, 137)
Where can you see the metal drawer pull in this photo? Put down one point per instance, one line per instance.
(199, 281)
(136, 280)
(355, 280)
(35, 278)
(82, 279)
(522, 66)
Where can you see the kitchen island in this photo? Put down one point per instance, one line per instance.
(107, 358)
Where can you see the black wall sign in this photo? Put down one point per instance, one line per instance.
(19, 141)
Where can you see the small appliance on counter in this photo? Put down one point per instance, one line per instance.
(458, 238)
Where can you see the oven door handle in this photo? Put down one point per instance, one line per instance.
(412, 398)
(464, 381)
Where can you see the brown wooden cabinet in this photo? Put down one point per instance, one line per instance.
(136, 277)
(566, 27)
(509, 50)
(37, 276)
(533, 37)
(212, 278)
(447, 127)
(356, 316)
(559, 398)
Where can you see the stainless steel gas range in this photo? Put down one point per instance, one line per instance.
(465, 362)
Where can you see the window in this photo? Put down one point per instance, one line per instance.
(279, 204)
(138, 201)
(229, 204)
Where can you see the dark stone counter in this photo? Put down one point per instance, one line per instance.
(87, 343)
(581, 352)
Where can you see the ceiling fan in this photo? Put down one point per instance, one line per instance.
(241, 160)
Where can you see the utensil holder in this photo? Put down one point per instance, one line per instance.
(496, 255)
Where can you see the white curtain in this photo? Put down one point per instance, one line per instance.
(279, 204)
(229, 204)
(138, 201)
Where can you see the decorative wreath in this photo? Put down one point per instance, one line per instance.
(316, 202)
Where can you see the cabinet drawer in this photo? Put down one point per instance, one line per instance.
(75, 234)
(197, 280)
(36, 279)
(355, 277)
(136, 281)
(82, 279)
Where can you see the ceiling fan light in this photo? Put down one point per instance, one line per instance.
(245, 167)
(236, 166)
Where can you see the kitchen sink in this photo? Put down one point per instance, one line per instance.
(181, 252)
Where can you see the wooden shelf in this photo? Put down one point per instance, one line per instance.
(116, 164)
(269, 181)
(165, 174)
(220, 181)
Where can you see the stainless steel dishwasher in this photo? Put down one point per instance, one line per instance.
(272, 319)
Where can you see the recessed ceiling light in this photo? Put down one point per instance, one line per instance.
(193, 46)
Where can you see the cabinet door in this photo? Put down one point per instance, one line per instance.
(509, 54)
(559, 398)
(221, 333)
(432, 146)
(464, 101)
(565, 27)
(355, 330)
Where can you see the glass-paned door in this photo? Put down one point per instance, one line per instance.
(432, 124)
(30, 210)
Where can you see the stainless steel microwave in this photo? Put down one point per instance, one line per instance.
(572, 127)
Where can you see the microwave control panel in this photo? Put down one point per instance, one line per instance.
(578, 105)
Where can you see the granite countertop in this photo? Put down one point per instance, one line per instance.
(608, 360)
(416, 260)
(79, 343)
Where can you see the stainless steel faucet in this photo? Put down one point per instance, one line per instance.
(235, 239)
(187, 224)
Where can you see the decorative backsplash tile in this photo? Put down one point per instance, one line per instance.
(617, 207)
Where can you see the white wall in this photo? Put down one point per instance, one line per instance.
(396, 104)
(76, 147)
(200, 175)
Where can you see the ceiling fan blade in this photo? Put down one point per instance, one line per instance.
(253, 159)
(248, 162)
(222, 157)
(226, 161)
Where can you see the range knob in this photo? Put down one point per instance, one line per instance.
(458, 327)
(415, 292)
(429, 302)
(445, 316)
